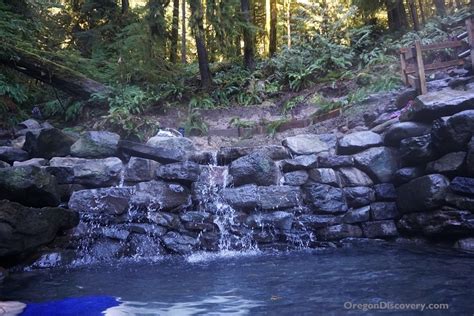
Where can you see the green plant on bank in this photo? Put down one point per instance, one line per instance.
(70, 110)
(292, 103)
(194, 124)
(273, 126)
(236, 122)
(201, 101)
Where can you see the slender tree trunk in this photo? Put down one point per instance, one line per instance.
(422, 12)
(414, 15)
(174, 32)
(125, 6)
(273, 28)
(249, 49)
(199, 36)
(396, 14)
(440, 7)
(288, 22)
(183, 32)
(267, 25)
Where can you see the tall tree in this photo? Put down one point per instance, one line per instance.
(422, 12)
(396, 14)
(273, 28)
(157, 23)
(440, 7)
(174, 32)
(197, 27)
(183, 32)
(414, 15)
(249, 48)
(288, 22)
(125, 6)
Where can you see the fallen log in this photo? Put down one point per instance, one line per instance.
(59, 76)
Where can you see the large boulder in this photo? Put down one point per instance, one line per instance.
(185, 172)
(356, 142)
(256, 168)
(48, 143)
(447, 222)
(243, 198)
(329, 161)
(140, 170)
(453, 133)
(296, 178)
(91, 172)
(379, 162)
(325, 199)
(338, 232)
(359, 196)
(303, 162)
(357, 215)
(436, 104)
(96, 144)
(417, 150)
(160, 196)
(324, 176)
(24, 229)
(278, 196)
(448, 164)
(421, 194)
(407, 174)
(29, 185)
(305, 144)
(226, 155)
(353, 177)
(181, 144)
(12, 154)
(402, 130)
(96, 202)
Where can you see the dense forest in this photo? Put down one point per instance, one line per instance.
(107, 62)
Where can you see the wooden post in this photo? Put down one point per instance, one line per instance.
(470, 34)
(420, 67)
(403, 66)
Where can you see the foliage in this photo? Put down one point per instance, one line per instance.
(194, 124)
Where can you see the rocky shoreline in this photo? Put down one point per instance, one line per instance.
(69, 198)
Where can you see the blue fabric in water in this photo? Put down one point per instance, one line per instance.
(77, 306)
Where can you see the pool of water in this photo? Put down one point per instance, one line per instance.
(329, 282)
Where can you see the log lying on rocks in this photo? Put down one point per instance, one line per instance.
(162, 155)
(52, 73)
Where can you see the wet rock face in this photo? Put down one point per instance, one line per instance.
(305, 144)
(380, 229)
(338, 232)
(172, 143)
(243, 198)
(357, 142)
(453, 133)
(96, 144)
(48, 143)
(399, 131)
(11, 154)
(186, 172)
(24, 229)
(140, 170)
(352, 177)
(417, 150)
(359, 196)
(160, 196)
(111, 201)
(278, 197)
(451, 163)
(424, 193)
(463, 186)
(303, 162)
(226, 155)
(325, 199)
(256, 168)
(296, 178)
(179, 243)
(29, 185)
(379, 162)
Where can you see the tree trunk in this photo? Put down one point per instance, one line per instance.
(249, 49)
(414, 15)
(440, 7)
(56, 75)
(125, 6)
(288, 22)
(396, 14)
(183, 32)
(267, 26)
(199, 37)
(422, 12)
(273, 28)
(174, 32)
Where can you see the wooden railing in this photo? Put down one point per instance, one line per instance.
(413, 68)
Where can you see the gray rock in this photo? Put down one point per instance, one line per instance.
(110, 201)
(352, 177)
(277, 220)
(48, 143)
(179, 243)
(160, 196)
(417, 150)
(243, 198)
(436, 104)
(380, 229)
(37, 162)
(324, 176)
(303, 162)
(385, 192)
(357, 142)
(453, 133)
(338, 232)
(4, 164)
(305, 144)
(140, 170)
(448, 164)
(318, 221)
(185, 172)
(463, 186)
(278, 197)
(172, 143)
(24, 229)
(357, 215)
(421, 194)
(148, 229)
(470, 157)
(296, 178)
(461, 202)
(407, 174)
(359, 196)
(327, 161)
(115, 233)
(29, 124)
(29, 185)
(11, 154)
(164, 219)
(197, 221)
(404, 97)
(96, 144)
(163, 155)
(380, 163)
(466, 244)
(91, 172)
(255, 168)
(383, 210)
(226, 155)
(447, 222)
(324, 198)
(402, 130)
